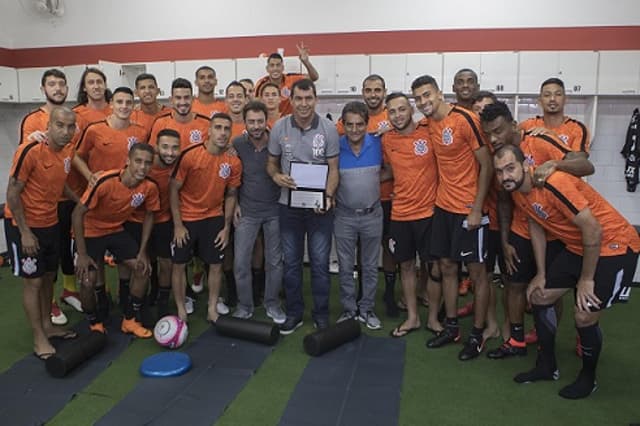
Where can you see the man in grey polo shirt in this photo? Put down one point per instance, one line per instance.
(358, 214)
(257, 209)
(304, 136)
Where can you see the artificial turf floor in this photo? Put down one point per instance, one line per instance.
(437, 388)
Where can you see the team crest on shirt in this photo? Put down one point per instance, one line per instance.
(318, 146)
(195, 136)
(564, 138)
(529, 159)
(131, 141)
(614, 246)
(29, 265)
(67, 165)
(225, 170)
(285, 92)
(447, 136)
(539, 210)
(420, 147)
(137, 199)
(383, 124)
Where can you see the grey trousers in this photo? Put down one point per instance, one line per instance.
(245, 235)
(348, 229)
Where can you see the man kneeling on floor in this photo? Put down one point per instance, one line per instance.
(598, 261)
(98, 226)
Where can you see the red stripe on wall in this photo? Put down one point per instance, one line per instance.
(6, 56)
(376, 42)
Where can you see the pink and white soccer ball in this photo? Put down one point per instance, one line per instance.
(171, 332)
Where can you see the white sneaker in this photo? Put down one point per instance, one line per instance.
(242, 313)
(221, 307)
(57, 316)
(277, 315)
(370, 320)
(189, 305)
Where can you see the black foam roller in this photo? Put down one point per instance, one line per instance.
(246, 329)
(75, 353)
(330, 338)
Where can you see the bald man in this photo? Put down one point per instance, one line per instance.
(36, 183)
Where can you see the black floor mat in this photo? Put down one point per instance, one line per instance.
(221, 368)
(29, 396)
(357, 384)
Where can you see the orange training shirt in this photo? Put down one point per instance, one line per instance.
(564, 196)
(44, 173)
(111, 203)
(455, 138)
(571, 132)
(415, 173)
(106, 148)
(193, 132)
(204, 178)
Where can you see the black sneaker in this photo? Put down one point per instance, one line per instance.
(320, 323)
(581, 388)
(446, 336)
(472, 348)
(507, 350)
(290, 325)
(536, 374)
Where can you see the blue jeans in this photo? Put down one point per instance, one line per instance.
(294, 225)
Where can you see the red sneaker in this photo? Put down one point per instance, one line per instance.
(464, 287)
(531, 337)
(466, 310)
(57, 316)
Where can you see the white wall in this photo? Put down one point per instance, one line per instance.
(612, 122)
(116, 21)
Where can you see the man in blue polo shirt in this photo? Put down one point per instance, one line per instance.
(358, 214)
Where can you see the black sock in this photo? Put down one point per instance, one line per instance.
(92, 317)
(546, 327)
(591, 342)
(123, 293)
(477, 332)
(389, 283)
(452, 323)
(153, 284)
(134, 308)
(517, 332)
(230, 281)
(163, 301)
(102, 304)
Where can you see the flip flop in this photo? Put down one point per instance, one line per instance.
(43, 356)
(395, 332)
(67, 335)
